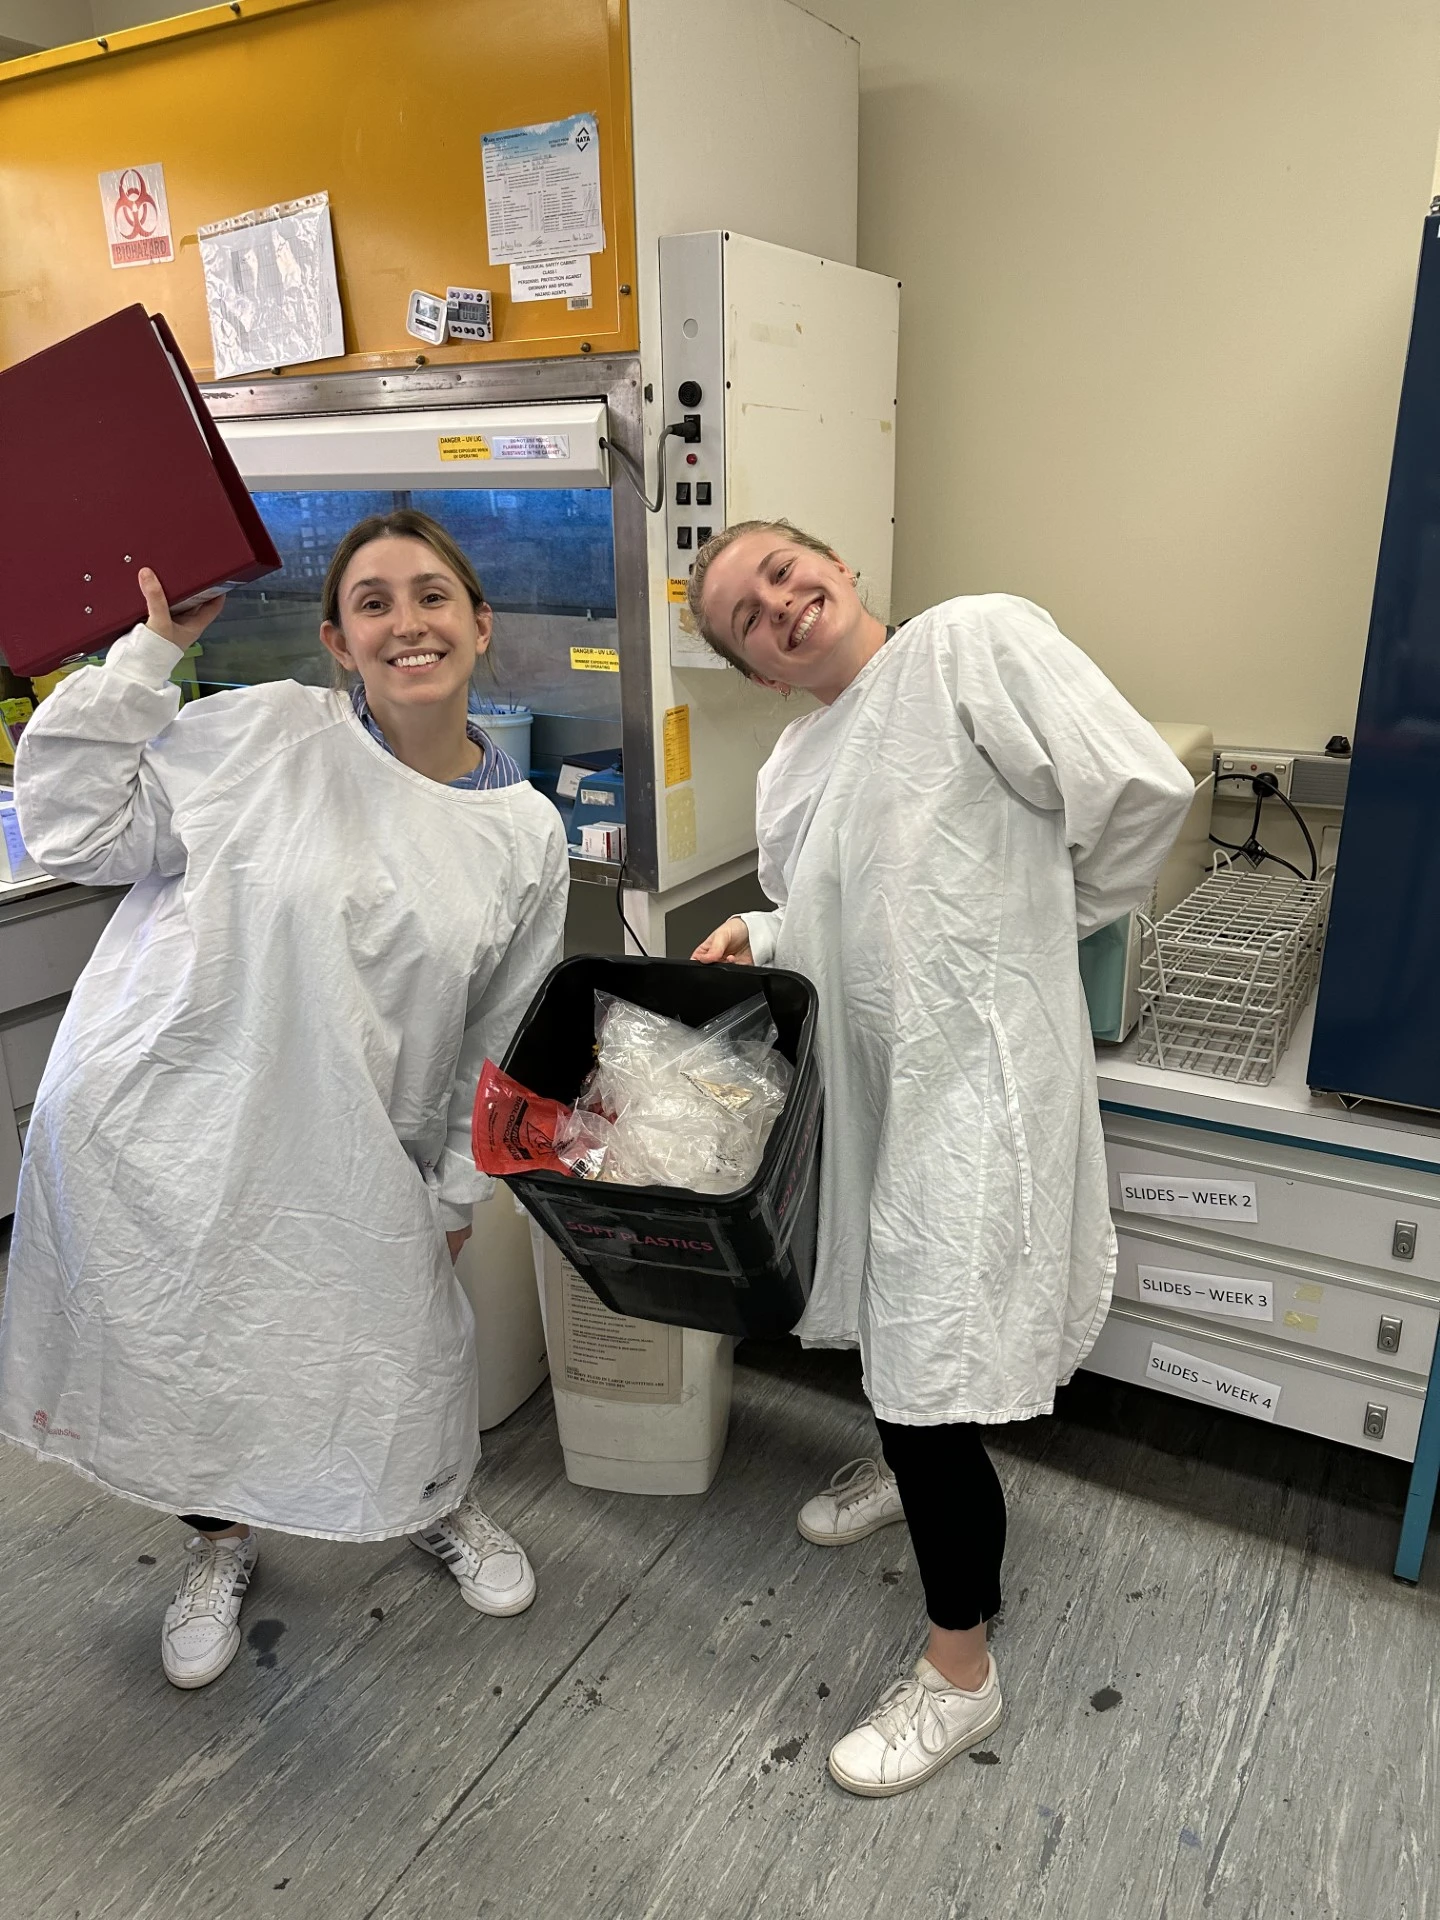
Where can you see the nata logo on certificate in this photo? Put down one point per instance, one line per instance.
(137, 216)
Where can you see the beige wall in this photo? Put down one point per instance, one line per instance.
(54, 23)
(1158, 261)
(45, 23)
(112, 15)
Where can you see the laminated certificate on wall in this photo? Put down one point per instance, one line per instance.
(270, 287)
(542, 191)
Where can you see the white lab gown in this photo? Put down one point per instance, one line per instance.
(936, 842)
(229, 1287)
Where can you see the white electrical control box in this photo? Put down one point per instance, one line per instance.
(780, 369)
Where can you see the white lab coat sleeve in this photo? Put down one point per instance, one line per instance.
(493, 1015)
(764, 928)
(91, 795)
(764, 932)
(1062, 738)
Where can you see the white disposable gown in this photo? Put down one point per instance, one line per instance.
(229, 1288)
(937, 841)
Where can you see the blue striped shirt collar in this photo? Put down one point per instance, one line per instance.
(496, 768)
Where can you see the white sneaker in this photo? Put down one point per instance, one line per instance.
(917, 1726)
(201, 1634)
(861, 1498)
(490, 1566)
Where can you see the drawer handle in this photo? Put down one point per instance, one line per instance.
(1388, 1338)
(1375, 1418)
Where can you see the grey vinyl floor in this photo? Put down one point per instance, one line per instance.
(1219, 1702)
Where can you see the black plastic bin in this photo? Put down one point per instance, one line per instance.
(740, 1263)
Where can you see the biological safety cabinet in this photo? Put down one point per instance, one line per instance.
(711, 290)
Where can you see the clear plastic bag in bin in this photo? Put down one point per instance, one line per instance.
(689, 1107)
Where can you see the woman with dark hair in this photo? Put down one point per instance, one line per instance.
(247, 1173)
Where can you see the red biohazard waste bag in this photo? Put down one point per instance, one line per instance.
(516, 1131)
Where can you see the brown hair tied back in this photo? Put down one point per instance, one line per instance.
(695, 591)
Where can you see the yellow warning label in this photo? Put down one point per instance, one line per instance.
(594, 660)
(677, 746)
(463, 446)
(675, 592)
(680, 823)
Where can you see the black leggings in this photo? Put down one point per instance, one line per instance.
(204, 1522)
(955, 1509)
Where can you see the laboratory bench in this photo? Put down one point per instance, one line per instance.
(48, 930)
(1279, 1256)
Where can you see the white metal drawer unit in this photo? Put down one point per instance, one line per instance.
(1319, 1305)
(1361, 1406)
(1280, 1257)
(1319, 1203)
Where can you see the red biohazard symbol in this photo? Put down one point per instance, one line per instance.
(136, 209)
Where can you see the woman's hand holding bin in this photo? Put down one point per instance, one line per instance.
(730, 942)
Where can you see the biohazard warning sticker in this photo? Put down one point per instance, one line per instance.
(137, 216)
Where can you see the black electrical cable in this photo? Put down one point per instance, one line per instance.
(1239, 846)
(635, 473)
(1251, 848)
(1314, 857)
(620, 909)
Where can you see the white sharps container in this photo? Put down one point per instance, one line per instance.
(641, 1407)
(496, 1269)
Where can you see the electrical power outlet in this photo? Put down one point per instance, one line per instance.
(1242, 764)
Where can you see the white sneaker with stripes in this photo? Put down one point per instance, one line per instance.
(201, 1634)
(489, 1565)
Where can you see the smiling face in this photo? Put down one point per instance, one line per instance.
(407, 626)
(791, 614)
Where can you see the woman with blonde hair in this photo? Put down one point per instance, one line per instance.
(969, 797)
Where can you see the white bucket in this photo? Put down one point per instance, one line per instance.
(509, 728)
(641, 1408)
(496, 1269)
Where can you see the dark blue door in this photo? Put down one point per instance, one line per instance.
(1377, 1025)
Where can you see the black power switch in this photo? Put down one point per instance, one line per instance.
(702, 534)
(682, 493)
(702, 493)
(689, 393)
(682, 536)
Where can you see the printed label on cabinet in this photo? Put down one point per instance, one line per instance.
(530, 446)
(463, 446)
(1204, 1380)
(594, 660)
(1208, 1293)
(567, 280)
(677, 746)
(1231, 1202)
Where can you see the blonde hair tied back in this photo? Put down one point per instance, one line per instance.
(693, 618)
